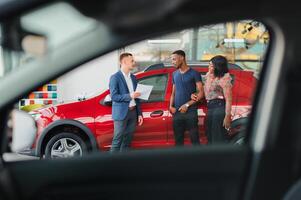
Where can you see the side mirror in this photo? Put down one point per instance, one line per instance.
(14, 37)
(23, 130)
(107, 101)
(35, 45)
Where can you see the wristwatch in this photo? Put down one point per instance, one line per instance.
(187, 105)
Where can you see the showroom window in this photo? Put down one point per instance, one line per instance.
(242, 42)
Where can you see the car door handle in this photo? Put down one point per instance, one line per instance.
(157, 113)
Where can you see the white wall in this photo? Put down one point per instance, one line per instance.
(90, 78)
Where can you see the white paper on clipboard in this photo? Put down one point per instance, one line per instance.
(145, 91)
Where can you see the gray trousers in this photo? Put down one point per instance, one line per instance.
(123, 132)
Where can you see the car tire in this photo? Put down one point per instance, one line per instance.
(239, 139)
(65, 145)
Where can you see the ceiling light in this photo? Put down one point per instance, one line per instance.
(231, 40)
(164, 41)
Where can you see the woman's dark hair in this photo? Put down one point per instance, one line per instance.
(220, 64)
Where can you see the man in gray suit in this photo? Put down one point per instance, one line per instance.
(125, 105)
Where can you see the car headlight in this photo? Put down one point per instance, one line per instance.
(36, 116)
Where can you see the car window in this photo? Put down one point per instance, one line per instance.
(159, 84)
(72, 118)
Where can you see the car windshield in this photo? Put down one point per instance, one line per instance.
(192, 87)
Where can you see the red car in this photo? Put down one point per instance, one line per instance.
(70, 129)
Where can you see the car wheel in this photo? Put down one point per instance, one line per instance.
(65, 145)
(238, 139)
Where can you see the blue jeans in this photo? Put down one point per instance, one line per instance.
(123, 132)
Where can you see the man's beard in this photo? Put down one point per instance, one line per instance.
(179, 66)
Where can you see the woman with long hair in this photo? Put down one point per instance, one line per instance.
(218, 93)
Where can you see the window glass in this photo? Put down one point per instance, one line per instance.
(84, 95)
(243, 42)
(159, 86)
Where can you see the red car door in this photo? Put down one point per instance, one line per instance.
(153, 132)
